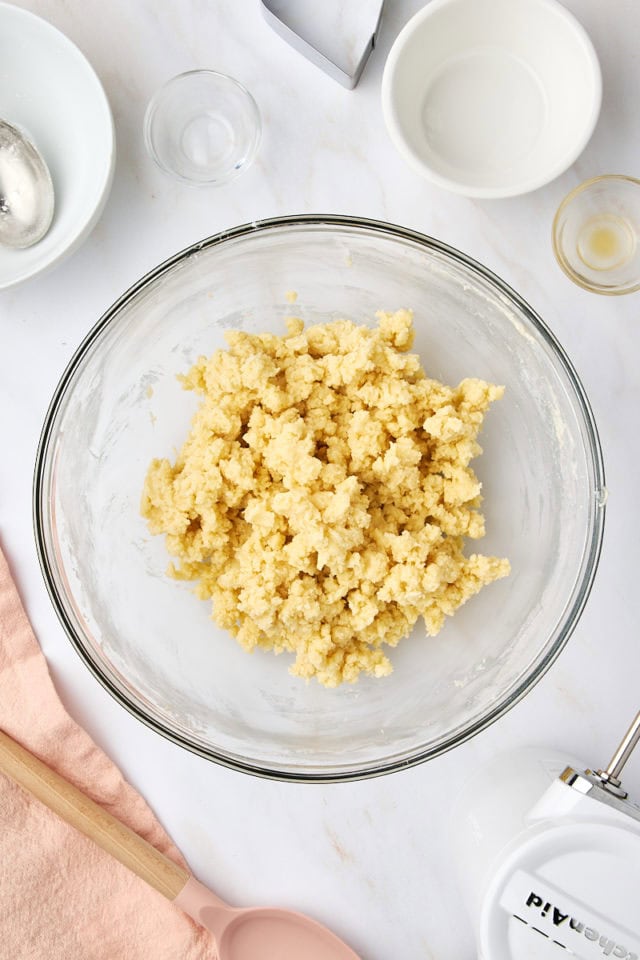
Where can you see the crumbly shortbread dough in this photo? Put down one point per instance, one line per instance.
(323, 494)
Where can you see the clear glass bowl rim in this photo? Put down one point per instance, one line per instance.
(571, 616)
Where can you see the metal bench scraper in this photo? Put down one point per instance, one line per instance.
(335, 35)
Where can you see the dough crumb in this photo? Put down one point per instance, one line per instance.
(322, 498)
(291, 296)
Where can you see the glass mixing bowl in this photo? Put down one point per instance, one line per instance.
(152, 643)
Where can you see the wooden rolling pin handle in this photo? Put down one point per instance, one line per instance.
(89, 818)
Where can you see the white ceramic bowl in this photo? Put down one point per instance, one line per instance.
(49, 89)
(491, 98)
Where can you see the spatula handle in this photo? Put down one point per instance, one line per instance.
(89, 818)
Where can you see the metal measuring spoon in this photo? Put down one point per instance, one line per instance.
(262, 933)
(26, 190)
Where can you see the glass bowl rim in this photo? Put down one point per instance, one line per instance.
(570, 617)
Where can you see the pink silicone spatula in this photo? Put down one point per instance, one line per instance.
(262, 933)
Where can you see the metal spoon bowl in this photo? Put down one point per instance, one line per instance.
(26, 190)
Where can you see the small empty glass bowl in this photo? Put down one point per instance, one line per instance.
(596, 234)
(202, 128)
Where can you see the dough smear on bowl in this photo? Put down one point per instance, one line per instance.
(323, 495)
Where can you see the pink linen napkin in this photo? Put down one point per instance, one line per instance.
(61, 897)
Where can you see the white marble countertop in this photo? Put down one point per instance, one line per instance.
(370, 858)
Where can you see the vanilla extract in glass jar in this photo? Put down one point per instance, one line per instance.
(596, 234)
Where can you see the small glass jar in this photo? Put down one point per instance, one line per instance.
(202, 128)
(596, 234)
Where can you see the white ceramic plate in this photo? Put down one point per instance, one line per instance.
(49, 89)
(491, 98)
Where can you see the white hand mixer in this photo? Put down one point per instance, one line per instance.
(549, 857)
